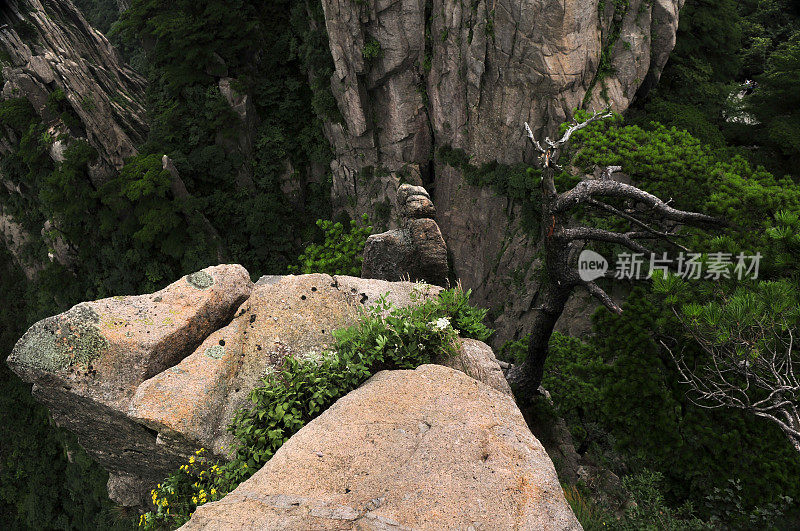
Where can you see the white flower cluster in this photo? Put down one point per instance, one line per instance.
(440, 324)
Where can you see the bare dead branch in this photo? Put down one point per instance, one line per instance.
(667, 236)
(600, 115)
(600, 235)
(535, 142)
(608, 171)
(763, 385)
(600, 294)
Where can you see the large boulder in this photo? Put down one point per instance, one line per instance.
(86, 364)
(284, 315)
(428, 448)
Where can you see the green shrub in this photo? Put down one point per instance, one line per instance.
(339, 254)
(372, 50)
(648, 509)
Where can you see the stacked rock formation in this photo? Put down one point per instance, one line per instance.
(416, 250)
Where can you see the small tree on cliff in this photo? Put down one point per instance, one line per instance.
(749, 359)
(563, 238)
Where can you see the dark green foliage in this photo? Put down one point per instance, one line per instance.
(620, 397)
(372, 50)
(384, 338)
(766, 25)
(620, 392)
(17, 113)
(341, 253)
(269, 49)
(671, 163)
(692, 93)
(720, 45)
(46, 480)
(776, 100)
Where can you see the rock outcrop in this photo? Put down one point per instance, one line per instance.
(467, 75)
(416, 250)
(50, 46)
(291, 315)
(87, 363)
(424, 449)
(144, 381)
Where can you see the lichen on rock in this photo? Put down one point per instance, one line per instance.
(215, 351)
(200, 280)
(59, 343)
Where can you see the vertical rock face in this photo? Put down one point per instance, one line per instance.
(413, 75)
(49, 46)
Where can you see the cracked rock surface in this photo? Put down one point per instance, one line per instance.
(425, 449)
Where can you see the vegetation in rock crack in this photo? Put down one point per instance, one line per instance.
(384, 338)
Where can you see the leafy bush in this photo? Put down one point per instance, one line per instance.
(372, 50)
(301, 389)
(339, 254)
(648, 509)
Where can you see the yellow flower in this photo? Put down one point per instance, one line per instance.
(191, 459)
(194, 500)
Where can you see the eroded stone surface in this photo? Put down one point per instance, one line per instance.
(287, 315)
(87, 362)
(423, 449)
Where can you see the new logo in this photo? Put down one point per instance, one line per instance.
(591, 265)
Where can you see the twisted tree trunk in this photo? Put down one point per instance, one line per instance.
(562, 239)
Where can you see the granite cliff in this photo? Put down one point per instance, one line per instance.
(412, 76)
